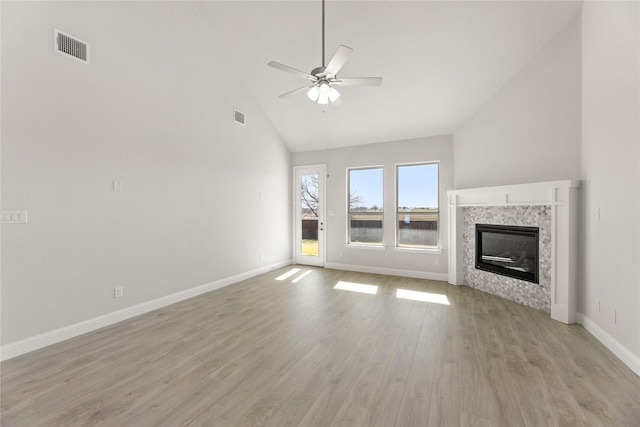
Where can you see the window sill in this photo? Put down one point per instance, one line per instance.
(431, 251)
(366, 247)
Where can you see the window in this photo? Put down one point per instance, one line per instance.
(417, 206)
(365, 206)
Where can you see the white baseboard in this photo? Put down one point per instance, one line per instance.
(627, 357)
(27, 345)
(389, 271)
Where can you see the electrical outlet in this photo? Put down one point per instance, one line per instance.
(437, 261)
(598, 305)
(118, 292)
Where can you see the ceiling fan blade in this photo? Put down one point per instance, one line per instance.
(357, 81)
(338, 59)
(291, 70)
(296, 91)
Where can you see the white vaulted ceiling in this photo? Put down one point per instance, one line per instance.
(440, 60)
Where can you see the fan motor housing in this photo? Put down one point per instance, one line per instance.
(318, 71)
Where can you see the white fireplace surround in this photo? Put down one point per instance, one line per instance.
(562, 197)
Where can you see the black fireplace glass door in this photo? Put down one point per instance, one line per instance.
(508, 250)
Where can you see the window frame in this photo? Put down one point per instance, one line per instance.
(381, 213)
(405, 247)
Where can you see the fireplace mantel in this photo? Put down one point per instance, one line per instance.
(562, 197)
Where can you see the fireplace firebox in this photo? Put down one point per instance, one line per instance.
(508, 250)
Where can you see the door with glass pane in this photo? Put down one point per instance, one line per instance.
(309, 215)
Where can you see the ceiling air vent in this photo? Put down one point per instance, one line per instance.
(238, 117)
(69, 45)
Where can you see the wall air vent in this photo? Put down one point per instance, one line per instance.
(238, 117)
(71, 46)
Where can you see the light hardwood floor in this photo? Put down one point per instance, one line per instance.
(275, 353)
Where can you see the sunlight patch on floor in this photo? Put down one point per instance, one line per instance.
(422, 296)
(288, 274)
(356, 287)
(301, 276)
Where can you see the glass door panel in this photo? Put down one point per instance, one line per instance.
(310, 227)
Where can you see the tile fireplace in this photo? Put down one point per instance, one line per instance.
(551, 207)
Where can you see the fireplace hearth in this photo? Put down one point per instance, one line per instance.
(507, 250)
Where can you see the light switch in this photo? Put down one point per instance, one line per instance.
(14, 217)
(596, 213)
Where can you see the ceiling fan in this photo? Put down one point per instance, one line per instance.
(324, 78)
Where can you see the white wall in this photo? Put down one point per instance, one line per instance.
(610, 172)
(391, 260)
(530, 130)
(153, 110)
(574, 112)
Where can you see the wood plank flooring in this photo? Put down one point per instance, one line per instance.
(267, 352)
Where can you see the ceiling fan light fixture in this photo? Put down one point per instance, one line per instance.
(313, 93)
(325, 93)
(333, 94)
(324, 88)
(323, 99)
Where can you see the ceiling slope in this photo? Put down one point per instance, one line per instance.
(440, 60)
